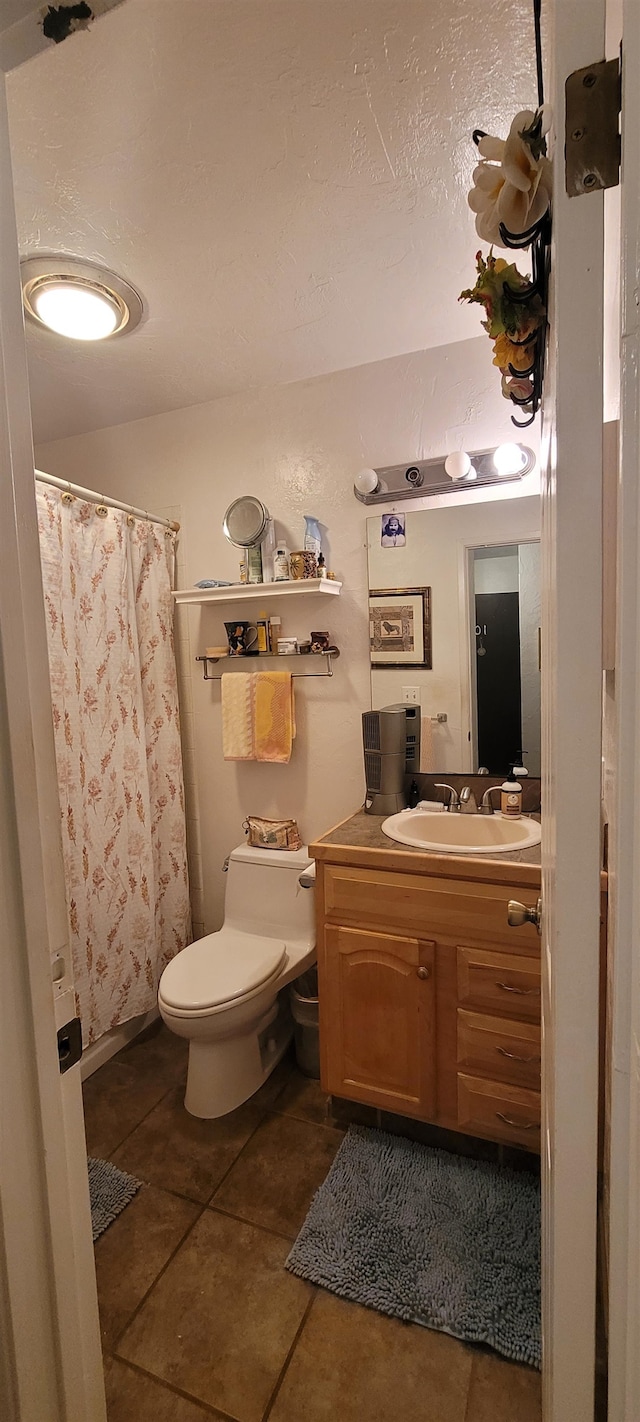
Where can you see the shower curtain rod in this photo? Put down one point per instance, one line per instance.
(92, 497)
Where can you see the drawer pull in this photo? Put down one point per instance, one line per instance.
(423, 973)
(513, 1056)
(522, 992)
(518, 1125)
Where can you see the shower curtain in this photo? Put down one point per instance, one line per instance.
(107, 589)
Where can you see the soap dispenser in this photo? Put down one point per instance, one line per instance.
(511, 796)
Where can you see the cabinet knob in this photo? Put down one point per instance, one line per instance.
(423, 973)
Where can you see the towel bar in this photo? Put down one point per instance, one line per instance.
(297, 676)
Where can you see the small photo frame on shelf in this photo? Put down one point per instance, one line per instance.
(400, 627)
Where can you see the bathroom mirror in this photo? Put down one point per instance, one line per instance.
(480, 563)
(245, 522)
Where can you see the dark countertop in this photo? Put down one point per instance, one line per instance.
(364, 831)
(361, 836)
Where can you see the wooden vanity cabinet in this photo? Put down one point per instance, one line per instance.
(429, 1001)
(379, 1019)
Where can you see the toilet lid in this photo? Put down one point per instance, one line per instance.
(219, 968)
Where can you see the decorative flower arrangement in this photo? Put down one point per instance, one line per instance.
(512, 321)
(512, 181)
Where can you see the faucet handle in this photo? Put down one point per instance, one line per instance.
(454, 801)
(486, 808)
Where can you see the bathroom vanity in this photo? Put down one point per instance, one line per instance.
(429, 1001)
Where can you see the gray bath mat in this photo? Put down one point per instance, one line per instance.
(110, 1191)
(430, 1237)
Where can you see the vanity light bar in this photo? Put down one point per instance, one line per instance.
(428, 476)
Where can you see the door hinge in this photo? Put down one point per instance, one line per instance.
(592, 133)
(69, 1044)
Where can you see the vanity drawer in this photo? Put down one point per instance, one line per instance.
(499, 982)
(494, 1047)
(424, 905)
(506, 1113)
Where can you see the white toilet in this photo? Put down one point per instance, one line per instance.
(221, 992)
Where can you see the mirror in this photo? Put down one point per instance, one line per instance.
(245, 522)
(455, 626)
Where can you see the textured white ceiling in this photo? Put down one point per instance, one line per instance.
(283, 180)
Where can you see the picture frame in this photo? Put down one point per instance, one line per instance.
(400, 627)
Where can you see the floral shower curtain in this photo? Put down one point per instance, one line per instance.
(107, 588)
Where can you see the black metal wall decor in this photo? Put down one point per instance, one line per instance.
(537, 240)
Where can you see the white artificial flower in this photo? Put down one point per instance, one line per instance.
(510, 185)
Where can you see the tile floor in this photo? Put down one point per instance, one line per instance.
(199, 1317)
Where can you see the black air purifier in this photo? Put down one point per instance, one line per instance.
(391, 739)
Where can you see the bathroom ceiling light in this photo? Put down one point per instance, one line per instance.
(78, 300)
(509, 459)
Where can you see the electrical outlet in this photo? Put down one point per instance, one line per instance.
(411, 695)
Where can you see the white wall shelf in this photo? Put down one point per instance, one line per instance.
(259, 592)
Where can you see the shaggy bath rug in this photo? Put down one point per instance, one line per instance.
(110, 1191)
(429, 1237)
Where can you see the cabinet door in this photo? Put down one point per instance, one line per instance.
(378, 1021)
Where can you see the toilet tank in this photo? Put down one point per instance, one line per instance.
(263, 894)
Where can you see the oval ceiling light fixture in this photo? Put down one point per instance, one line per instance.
(78, 300)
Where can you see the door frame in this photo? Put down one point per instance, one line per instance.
(50, 1353)
(623, 1083)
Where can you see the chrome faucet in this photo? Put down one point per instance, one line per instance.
(454, 799)
(486, 808)
(468, 802)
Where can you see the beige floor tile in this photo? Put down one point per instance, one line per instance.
(131, 1397)
(274, 1180)
(304, 1098)
(116, 1099)
(180, 1152)
(221, 1320)
(131, 1253)
(353, 1365)
(503, 1392)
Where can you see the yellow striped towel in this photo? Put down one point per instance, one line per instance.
(237, 716)
(274, 716)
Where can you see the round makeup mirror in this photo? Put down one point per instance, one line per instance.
(245, 522)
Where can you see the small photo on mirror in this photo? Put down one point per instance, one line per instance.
(392, 530)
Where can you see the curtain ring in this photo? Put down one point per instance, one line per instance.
(67, 498)
(130, 520)
(102, 510)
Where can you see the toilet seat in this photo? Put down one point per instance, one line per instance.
(219, 970)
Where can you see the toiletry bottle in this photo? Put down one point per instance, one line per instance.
(511, 797)
(262, 626)
(254, 563)
(322, 567)
(414, 795)
(275, 629)
(281, 564)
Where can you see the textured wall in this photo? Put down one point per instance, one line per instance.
(298, 447)
(284, 180)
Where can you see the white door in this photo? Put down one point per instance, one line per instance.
(50, 1357)
(573, 33)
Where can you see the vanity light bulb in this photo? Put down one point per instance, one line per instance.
(457, 464)
(509, 459)
(366, 481)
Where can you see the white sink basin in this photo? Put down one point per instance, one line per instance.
(461, 834)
